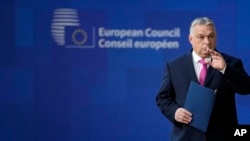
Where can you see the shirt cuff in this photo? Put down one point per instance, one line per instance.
(223, 70)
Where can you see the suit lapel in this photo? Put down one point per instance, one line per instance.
(210, 74)
(190, 68)
(213, 78)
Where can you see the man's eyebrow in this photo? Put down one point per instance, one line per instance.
(211, 34)
(200, 34)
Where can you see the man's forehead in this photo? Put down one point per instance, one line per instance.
(202, 32)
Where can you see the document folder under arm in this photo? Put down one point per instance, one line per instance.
(199, 101)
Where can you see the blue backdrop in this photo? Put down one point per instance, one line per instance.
(89, 70)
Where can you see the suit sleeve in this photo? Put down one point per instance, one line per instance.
(165, 98)
(238, 77)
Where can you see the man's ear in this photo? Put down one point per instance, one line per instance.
(190, 38)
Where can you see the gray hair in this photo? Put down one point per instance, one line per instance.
(201, 21)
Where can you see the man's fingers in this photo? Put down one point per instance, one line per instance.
(183, 116)
(187, 120)
(184, 119)
(212, 52)
(187, 112)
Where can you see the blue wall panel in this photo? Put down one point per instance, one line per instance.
(59, 82)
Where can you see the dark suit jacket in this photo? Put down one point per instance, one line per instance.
(178, 74)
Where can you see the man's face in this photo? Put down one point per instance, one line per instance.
(202, 38)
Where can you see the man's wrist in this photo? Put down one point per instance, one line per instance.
(224, 69)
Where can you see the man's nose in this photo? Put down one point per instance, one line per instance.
(206, 40)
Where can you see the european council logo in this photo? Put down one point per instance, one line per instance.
(67, 31)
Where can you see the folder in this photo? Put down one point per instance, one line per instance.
(199, 101)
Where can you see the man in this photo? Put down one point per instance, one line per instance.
(225, 74)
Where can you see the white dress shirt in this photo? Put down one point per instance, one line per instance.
(197, 64)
